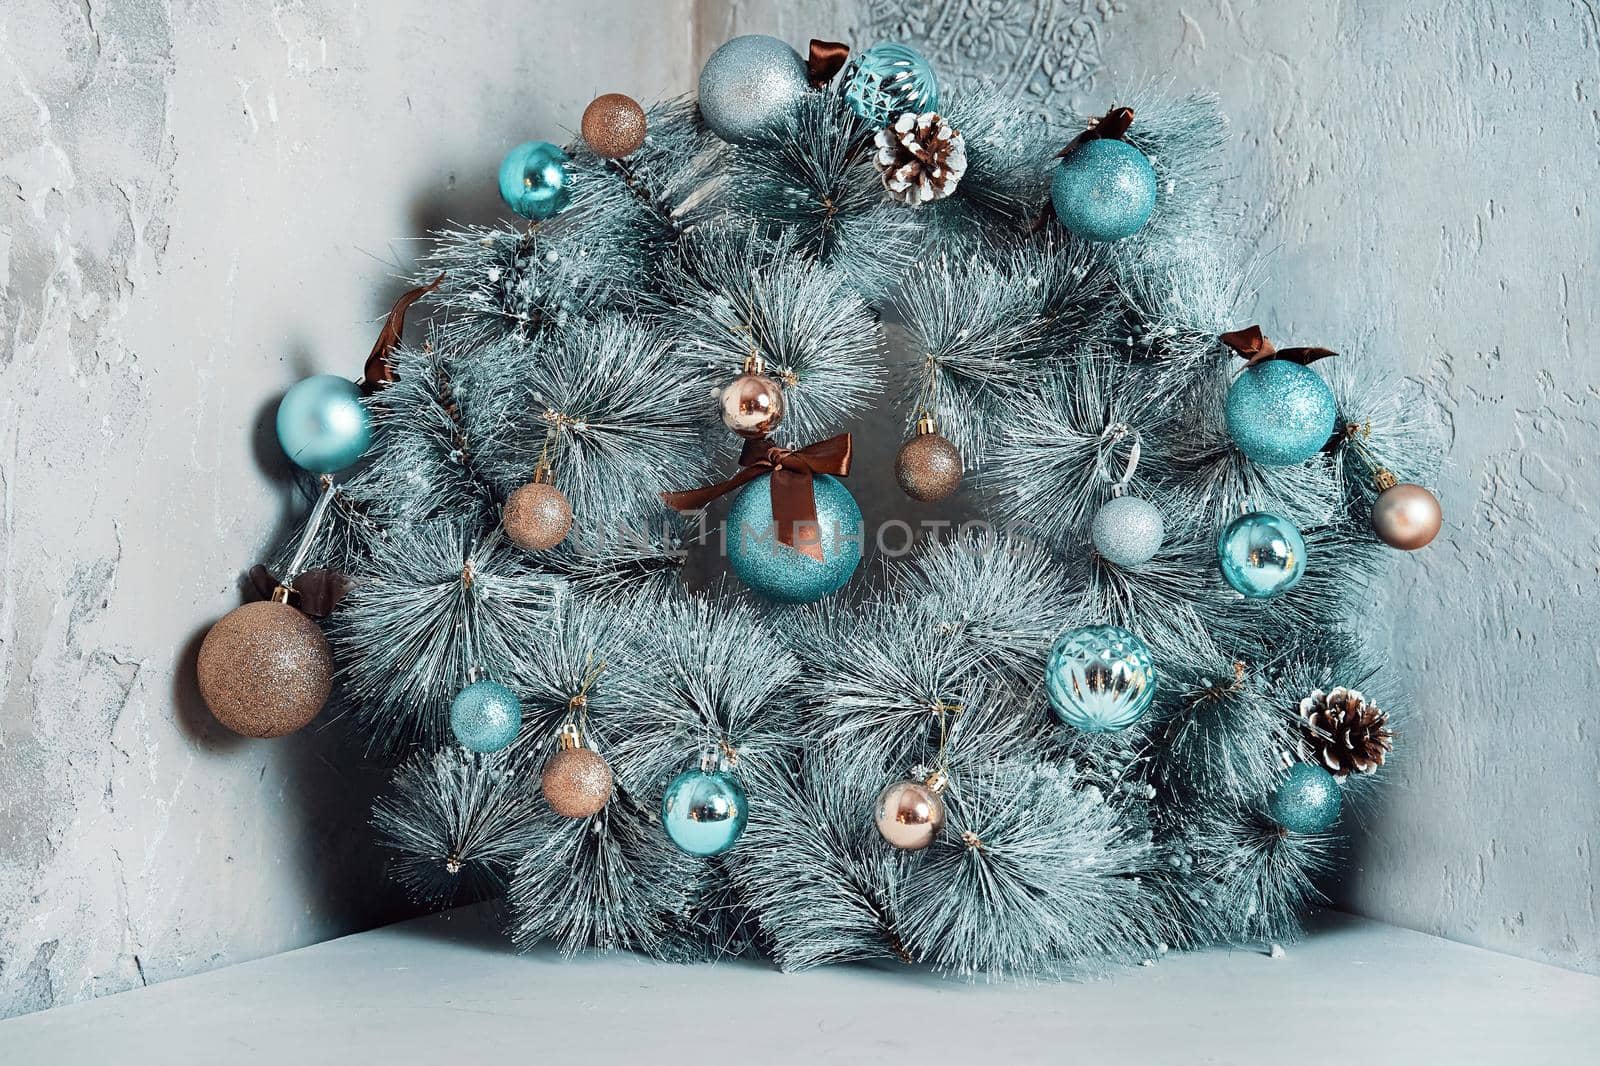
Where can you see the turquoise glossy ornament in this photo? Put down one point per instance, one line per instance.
(485, 716)
(751, 88)
(1100, 678)
(1104, 190)
(780, 572)
(1306, 800)
(1281, 413)
(887, 80)
(704, 811)
(322, 424)
(1261, 554)
(535, 181)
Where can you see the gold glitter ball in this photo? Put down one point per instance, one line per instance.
(614, 125)
(576, 782)
(928, 467)
(537, 516)
(265, 670)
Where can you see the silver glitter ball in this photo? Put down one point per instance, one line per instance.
(1127, 531)
(750, 88)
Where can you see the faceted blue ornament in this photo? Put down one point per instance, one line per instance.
(1261, 554)
(1306, 800)
(485, 716)
(887, 80)
(704, 811)
(322, 424)
(1104, 190)
(1100, 678)
(780, 572)
(1281, 413)
(535, 181)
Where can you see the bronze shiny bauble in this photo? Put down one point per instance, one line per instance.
(752, 406)
(909, 814)
(613, 125)
(928, 466)
(576, 782)
(265, 669)
(1406, 516)
(537, 516)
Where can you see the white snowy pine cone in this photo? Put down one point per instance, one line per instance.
(920, 157)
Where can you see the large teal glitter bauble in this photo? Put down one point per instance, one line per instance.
(780, 572)
(704, 812)
(751, 88)
(485, 716)
(322, 424)
(1261, 554)
(1281, 413)
(887, 80)
(1104, 190)
(535, 181)
(1306, 800)
(1100, 678)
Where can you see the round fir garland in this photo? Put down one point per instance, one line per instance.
(1123, 718)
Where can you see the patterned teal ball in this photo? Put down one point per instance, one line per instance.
(704, 812)
(1104, 190)
(535, 181)
(780, 572)
(322, 424)
(1100, 678)
(1306, 800)
(887, 80)
(1261, 554)
(1281, 413)
(751, 88)
(485, 716)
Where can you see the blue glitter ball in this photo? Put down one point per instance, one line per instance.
(704, 811)
(887, 80)
(1306, 800)
(322, 424)
(535, 181)
(780, 572)
(751, 87)
(1281, 413)
(1261, 554)
(1105, 190)
(1127, 531)
(1100, 678)
(485, 716)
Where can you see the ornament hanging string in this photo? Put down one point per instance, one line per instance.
(1114, 434)
(827, 58)
(794, 501)
(314, 592)
(578, 704)
(379, 370)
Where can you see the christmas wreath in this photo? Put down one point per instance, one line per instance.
(1123, 715)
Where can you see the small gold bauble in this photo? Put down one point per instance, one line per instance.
(752, 406)
(928, 466)
(265, 669)
(909, 814)
(537, 516)
(613, 125)
(576, 782)
(1406, 516)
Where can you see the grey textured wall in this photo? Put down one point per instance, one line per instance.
(199, 204)
(1422, 177)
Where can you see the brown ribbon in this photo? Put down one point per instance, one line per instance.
(316, 592)
(1112, 126)
(1253, 346)
(827, 59)
(379, 370)
(794, 501)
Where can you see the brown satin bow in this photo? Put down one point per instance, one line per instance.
(794, 501)
(379, 370)
(1254, 347)
(826, 59)
(316, 592)
(1113, 125)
